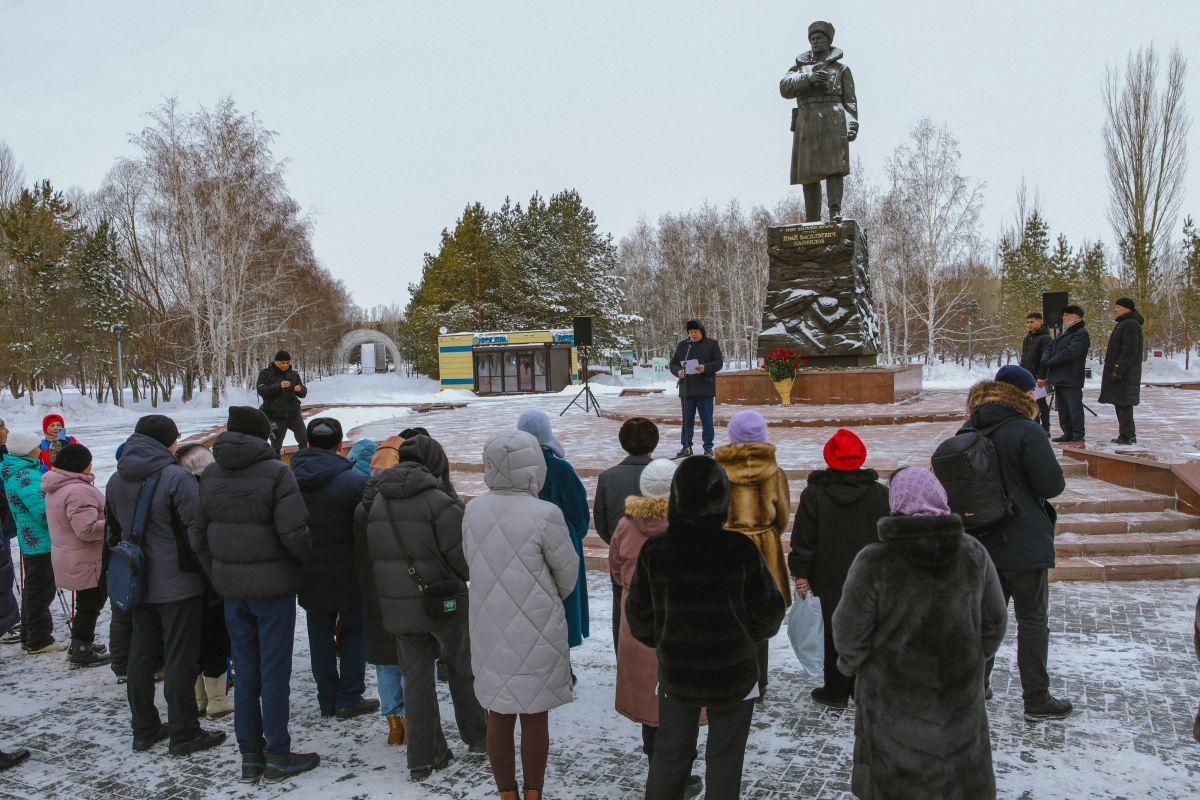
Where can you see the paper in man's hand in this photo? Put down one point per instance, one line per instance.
(690, 365)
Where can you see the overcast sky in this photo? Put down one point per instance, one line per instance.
(396, 115)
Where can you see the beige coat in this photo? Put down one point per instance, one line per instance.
(762, 503)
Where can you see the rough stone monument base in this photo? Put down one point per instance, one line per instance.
(883, 385)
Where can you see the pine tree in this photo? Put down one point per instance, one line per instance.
(1062, 267)
(101, 273)
(1089, 292)
(1191, 286)
(1024, 273)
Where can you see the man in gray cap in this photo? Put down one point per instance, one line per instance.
(823, 89)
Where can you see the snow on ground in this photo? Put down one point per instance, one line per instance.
(1121, 653)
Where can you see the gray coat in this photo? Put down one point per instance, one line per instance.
(523, 563)
(614, 485)
(252, 529)
(430, 525)
(172, 570)
(921, 613)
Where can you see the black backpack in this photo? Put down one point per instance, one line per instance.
(969, 471)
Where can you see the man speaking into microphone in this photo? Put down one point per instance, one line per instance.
(696, 362)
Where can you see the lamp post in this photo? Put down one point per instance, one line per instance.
(119, 332)
(970, 308)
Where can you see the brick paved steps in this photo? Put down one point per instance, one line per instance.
(1069, 545)
(1124, 522)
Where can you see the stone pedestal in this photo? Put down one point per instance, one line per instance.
(882, 385)
(819, 295)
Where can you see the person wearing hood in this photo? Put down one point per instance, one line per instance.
(761, 503)
(921, 612)
(22, 477)
(10, 607)
(1065, 360)
(166, 624)
(524, 564)
(360, 455)
(696, 362)
(563, 488)
(637, 664)
(252, 537)
(54, 438)
(838, 516)
(75, 516)
(1121, 384)
(415, 538)
(1022, 545)
(213, 682)
(281, 390)
(332, 488)
(703, 597)
(638, 437)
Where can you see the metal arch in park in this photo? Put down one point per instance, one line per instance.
(365, 336)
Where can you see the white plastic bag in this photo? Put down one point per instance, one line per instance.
(806, 631)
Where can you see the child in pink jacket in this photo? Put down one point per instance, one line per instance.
(75, 516)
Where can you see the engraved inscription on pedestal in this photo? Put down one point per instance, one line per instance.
(819, 295)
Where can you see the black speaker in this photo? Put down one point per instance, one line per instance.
(583, 331)
(1053, 304)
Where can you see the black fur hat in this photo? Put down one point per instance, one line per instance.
(700, 494)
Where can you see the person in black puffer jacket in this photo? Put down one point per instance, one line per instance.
(252, 536)
(414, 534)
(1122, 381)
(1032, 347)
(723, 602)
(1022, 546)
(332, 489)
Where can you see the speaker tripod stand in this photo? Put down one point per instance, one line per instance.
(590, 403)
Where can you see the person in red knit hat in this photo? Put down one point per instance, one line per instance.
(54, 438)
(839, 512)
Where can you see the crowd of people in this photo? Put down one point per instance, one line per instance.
(393, 569)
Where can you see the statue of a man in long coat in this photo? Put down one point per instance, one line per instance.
(824, 92)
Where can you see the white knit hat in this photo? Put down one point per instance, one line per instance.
(656, 478)
(23, 442)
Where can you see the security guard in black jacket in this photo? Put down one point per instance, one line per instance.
(280, 388)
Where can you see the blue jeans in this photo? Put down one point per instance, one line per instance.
(391, 689)
(261, 633)
(691, 405)
(336, 690)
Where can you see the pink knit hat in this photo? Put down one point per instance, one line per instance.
(915, 492)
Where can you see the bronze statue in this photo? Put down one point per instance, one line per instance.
(824, 92)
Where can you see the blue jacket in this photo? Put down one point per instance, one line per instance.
(361, 454)
(1066, 356)
(332, 488)
(708, 352)
(565, 490)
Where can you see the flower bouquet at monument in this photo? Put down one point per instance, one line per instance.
(781, 365)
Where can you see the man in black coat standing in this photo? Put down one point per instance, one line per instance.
(1121, 384)
(697, 388)
(638, 437)
(1022, 545)
(1032, 348)
(1065, 361)
(280, 388)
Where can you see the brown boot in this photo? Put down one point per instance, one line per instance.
(533, 794)
(397, 730)
(509, 795)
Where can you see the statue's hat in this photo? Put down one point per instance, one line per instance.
(823, 27)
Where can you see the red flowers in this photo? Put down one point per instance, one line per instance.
(782, 363)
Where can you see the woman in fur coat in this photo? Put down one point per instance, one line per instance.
(921, 613)
(838, 516)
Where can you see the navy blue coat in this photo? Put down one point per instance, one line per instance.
(1066, 356)
(331, 489)
(708, 352)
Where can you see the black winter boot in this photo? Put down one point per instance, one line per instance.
(1046, 707)
(10, 760)
(253, 766)
(280, 768)
(203, 740)
(84, 655)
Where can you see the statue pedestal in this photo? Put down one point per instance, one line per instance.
(819, 295)
(882, 385)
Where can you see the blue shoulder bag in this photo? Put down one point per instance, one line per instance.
(126, 569)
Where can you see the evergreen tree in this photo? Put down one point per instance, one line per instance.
(1062, 267)
(101, 273)
(1191, 286)
(1089, 293)
(1024, 273)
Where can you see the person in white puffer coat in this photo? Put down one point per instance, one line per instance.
(522, 564)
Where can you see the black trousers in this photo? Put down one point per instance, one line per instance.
(88, 605)
(281, 425)
(764, 649)
(1043, 416)
(839, 685)
(616, 614)
(1127, 429)
(215, 649)
(37, 595)
(1070, 411)
(174, 630)
(649, 734)
(675, 749)
(1030, 595)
